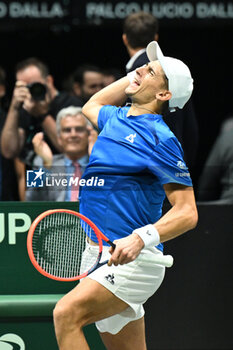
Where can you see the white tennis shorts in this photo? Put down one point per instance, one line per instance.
(133, 283)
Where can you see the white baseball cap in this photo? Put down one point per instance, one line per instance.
(180, 82)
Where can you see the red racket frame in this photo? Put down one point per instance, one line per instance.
(100, 236)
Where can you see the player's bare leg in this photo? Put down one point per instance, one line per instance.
(132, 336)
(87, 303)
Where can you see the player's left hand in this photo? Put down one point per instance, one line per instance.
(127, 249)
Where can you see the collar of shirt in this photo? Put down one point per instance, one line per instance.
(83, 161)
(134, 57)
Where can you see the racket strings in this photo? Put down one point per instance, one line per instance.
(58, 244)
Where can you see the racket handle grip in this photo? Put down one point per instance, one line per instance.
(113, 245)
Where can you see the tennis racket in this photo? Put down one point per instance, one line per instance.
(56, 242)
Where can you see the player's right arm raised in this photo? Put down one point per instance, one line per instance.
(113, 94)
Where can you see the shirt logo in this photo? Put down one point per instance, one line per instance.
(35, 178)
(110, 278)
(131, 138)
(181, 164)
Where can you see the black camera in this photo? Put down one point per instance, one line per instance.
(38, 91)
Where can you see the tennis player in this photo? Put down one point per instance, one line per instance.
(141, 161)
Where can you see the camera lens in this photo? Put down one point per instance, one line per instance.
(38, 91)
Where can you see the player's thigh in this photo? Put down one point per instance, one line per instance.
(89, 301)
(132, 336)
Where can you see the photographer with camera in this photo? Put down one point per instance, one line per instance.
(34, 106)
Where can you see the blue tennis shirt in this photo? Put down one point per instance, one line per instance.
(133, 157)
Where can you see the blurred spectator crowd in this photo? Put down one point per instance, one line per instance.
(43, 128)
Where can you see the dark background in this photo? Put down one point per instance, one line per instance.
(205, 45)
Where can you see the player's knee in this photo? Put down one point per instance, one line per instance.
(61, 313)
(71, 313)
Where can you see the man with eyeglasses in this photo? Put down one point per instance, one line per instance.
(76, 138)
